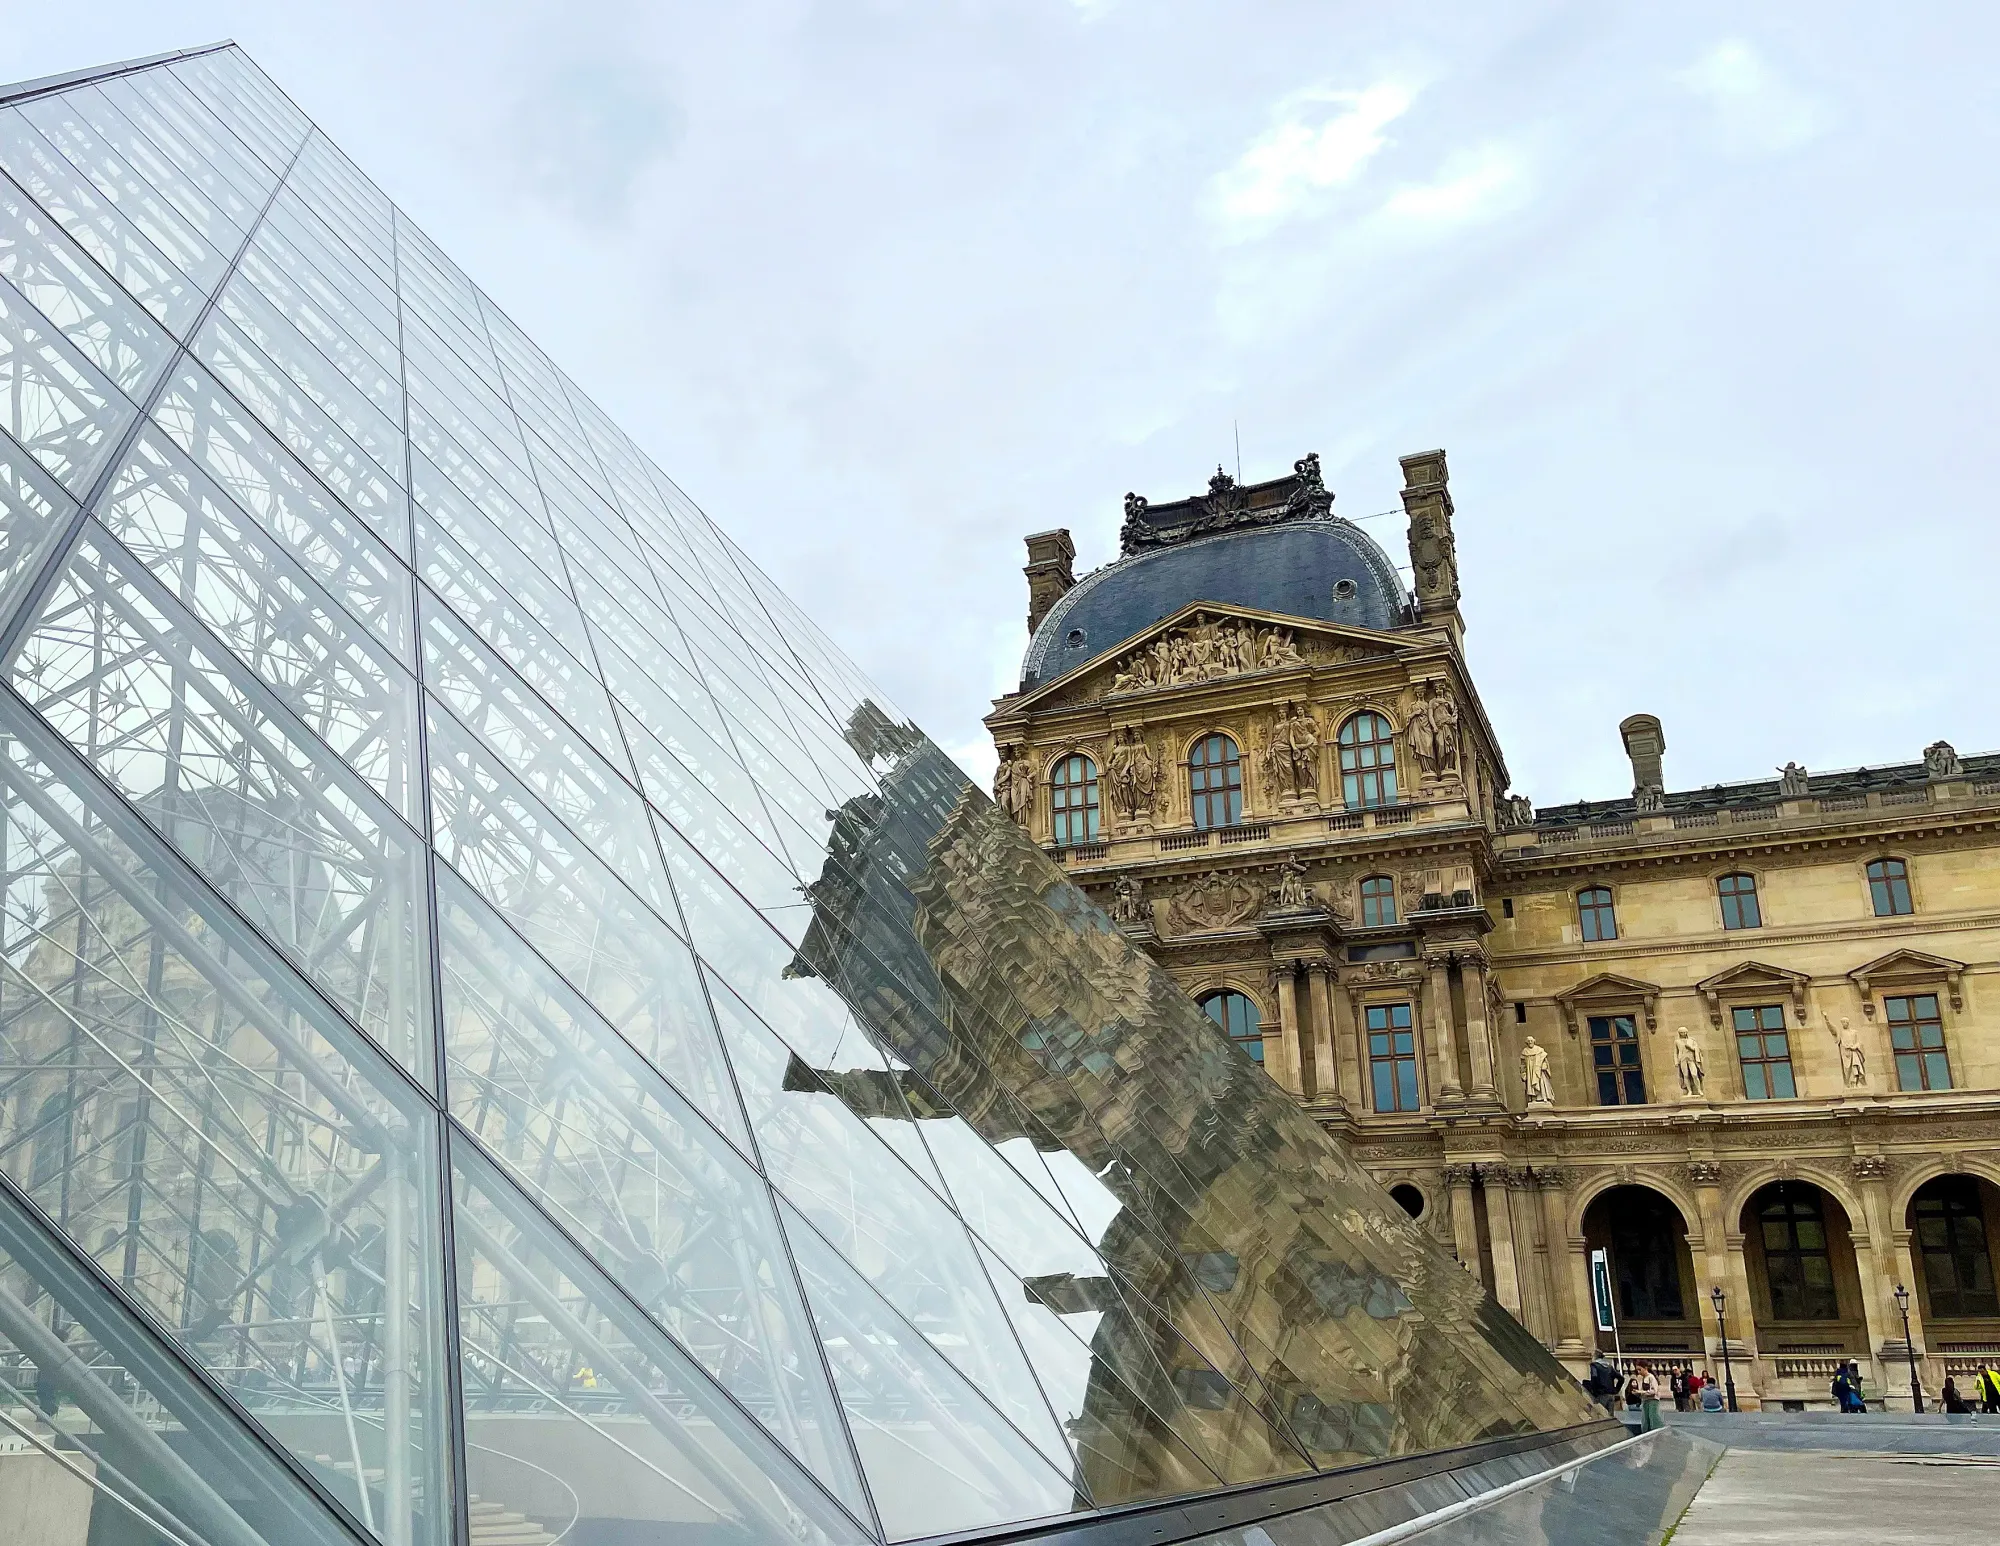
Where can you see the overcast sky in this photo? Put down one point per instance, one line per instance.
(1700, 299)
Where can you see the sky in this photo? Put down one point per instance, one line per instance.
(1698, 298)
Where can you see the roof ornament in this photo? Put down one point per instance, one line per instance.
(1226, 506)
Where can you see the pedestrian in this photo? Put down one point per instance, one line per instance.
(1648, 1385)
(1953, 1401)
(1678, 1384)
(1842, 1396)
(1694, 1383)
(1989, 1389)
(1604, 1383)
(1711, 1396)
(1857, 1401)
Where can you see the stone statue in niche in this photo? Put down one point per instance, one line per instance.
(1291, 894)
(1014, 785)
(1291, 761)
(1134, 779)
(1793, 782)
(1941, 761)
(1853, 1054)
(1688, 1064)
(1432, 732)
(1535, 1074)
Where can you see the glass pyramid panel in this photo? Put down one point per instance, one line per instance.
(397, 761)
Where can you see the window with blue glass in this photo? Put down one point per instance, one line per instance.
(1215, 782)
(1738, 895)
(1237, 1015)
(1764, 1049)
(1595, 915)
(1367, 762)
(1073, 800)
(1392, 1057)
(1614, 1059)
(1916, 1035)
(1378, 901)
(1889, 888)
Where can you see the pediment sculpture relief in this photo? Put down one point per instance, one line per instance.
(1215, 901)
(1205, 651)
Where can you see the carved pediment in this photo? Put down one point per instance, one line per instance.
(1206, 642)
(1609, 990)
(1901, 969)
(1752, 978)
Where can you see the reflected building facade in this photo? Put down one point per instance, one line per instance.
(503, 1035)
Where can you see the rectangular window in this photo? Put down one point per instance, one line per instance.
(1594, 912)
(1738, 894)
(1916, 1035)
(1614, 1058)
(1392, 1057)
(1889, 888)
(1765, 1051)
(1951, 1233)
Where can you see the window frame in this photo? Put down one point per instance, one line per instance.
(1621, 1034)
(1381, 903)
(1733, 899)
(1064, 810)
(1920, 1053)
(1396, 1065)
(1892, 885)
(1951, 1212)
(1804, 1207)
(1252, 1040)
(1601, 916)
(1227, 769)
(1367, 767)
(1764, 1062)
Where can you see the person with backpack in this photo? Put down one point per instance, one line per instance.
(1603, 1384)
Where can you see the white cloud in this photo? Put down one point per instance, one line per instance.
(1756, 109)
(1321, 139)
(1474, 184)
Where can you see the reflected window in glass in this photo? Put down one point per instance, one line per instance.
(1594, 913)
(1215, 782)
(1392, 1057)
(1765, 1050)
(1378, 901)
(1614, 1059)
(1237, 1015)
(1738, 894)
(1073, 800)
(1367, 762)
(1889, 888)
(1916, 1033)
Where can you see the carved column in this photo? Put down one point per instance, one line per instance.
(1500, 1230)
(1327, 1082)
(1554, 1184)
(1464, 1226)
(1472, 967)
(1288, 1069)
(1437, 1016)
(1724, 1266)
(1875, 1265)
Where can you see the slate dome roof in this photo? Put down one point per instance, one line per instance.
(1274, 546)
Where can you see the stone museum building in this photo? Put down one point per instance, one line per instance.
(507, 1040)
(1742, 1038)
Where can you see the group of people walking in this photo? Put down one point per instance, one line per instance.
(1985, 1395)
(1695, 1390)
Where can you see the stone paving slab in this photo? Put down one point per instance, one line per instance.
(1778, 1497)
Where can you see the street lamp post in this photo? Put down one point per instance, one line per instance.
(1916, 1385)
(1715, 1298)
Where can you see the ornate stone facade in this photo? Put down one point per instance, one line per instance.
(1702, 1029)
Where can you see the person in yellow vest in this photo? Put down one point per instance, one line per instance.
(1989, 1389)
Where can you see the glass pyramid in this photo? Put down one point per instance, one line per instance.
(504, 1035)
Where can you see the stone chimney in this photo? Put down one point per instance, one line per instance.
(1433, 553)
(1048, 572)
(1645, 743)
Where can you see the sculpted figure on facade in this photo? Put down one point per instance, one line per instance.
(1205, 651)
(1014, 785)
(1853, 1054)
(1128, 903)
(1517, 810)
(1134, 779)
(1291, 761)
(1216, 901)
(1688, 1064)
(1535, 1073)
(1291, 894)
(1941, 761)
(1793, 782)
(1276, 647)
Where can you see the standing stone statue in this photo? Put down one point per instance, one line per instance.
(1688, 1064)
(1853, 1055)
(1135, 779)
(1535, 1074)
(1014, 786)
(1793, 782)
(1127, 903)
(1291, 761)
(1291, 894)
(1941, 761)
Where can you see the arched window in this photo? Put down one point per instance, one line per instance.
(1073, 800)
(1238, 1016)
(1378, 901)
(1367, 762)
(1889, 888)
(1739, 902)
(1797, 1263)
(1215, 782)
(1594, 913)
(1409, 1199)
(1951, 1235)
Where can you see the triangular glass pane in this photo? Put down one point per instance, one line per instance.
(937, 1457)
(112, 1436)
(668, 1209)
(34, 512)
(586, 1419)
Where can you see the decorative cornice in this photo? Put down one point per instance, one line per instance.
(1227, 506)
